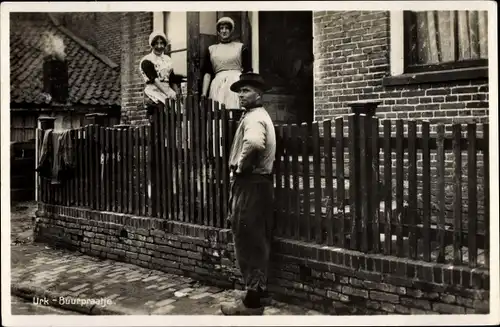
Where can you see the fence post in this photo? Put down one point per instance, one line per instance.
(367, 109)
(97, 159)
(156, 146)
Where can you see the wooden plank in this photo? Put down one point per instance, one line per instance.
(364, 162)
(38, 146)
(426, 191)
(412, 187)
(186, 161)
(155, 156)
(290, 182)
(160, 134)
(441, 190)
(97, 165)
(204, 161)
(217, 194)
(285, 191)
(130, 170)
(107, 162)
(102, 160)
(67, 184)
(62, 186)
(174, 159)
(88, 167)
(296, 183)
(472, 193)
(114, 166)
(278, 177)
(136, 172)
(119, 171)
(486, 182)
(83, 160)
(148, 148)
(73, 181)
(180, 157)
(375, 189)
(210, 175)
(81, 167)
(124, 176)
(318, 228)
(400, 210)
(327, 136)
(166, 153)
(340, 172)
(225, 167)
(105, 168)
(306, 182)
(457, 207)
(353, 181)
(198, 123)
(191, 162)
(143, 167)
(387, 187)
(57, 187)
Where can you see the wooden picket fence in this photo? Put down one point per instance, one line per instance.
(418, 194)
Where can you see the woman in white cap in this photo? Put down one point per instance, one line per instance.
(223, 65)
(156, 69)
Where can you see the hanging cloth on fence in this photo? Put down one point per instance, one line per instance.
(63, 163)
(66, 154)
(45, 160)
(56, 157)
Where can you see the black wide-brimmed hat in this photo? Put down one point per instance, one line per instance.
(252, 79)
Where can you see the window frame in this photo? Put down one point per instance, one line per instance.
(401, 75)
(409, 39)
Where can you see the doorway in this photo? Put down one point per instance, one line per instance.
(281, 44)
(286, 62)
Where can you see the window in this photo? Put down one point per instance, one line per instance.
(442, 40)
(437, 46)
(176, 31)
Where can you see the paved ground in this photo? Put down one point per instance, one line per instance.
(132, 289)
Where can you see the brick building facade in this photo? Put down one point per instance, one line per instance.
(353, 62)
(358, 56)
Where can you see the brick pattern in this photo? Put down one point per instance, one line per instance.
(351, 58)
(101, 29)
(326, 279)
(136, 28)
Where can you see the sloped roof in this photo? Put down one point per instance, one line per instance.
(92, 79)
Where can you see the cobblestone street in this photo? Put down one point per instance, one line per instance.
(123, 287)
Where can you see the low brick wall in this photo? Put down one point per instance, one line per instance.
(332, 280)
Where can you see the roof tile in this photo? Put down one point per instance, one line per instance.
(88, 75)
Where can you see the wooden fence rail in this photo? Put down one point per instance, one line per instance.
(387, 187)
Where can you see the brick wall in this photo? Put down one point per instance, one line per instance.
(101, 29)
(335, 281)
(136, 28)
(352, 54)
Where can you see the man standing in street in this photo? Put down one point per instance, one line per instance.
(251, 204)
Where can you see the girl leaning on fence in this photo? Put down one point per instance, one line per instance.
(162, 84)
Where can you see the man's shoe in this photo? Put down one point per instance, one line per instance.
(265, 299)
(239, 309)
